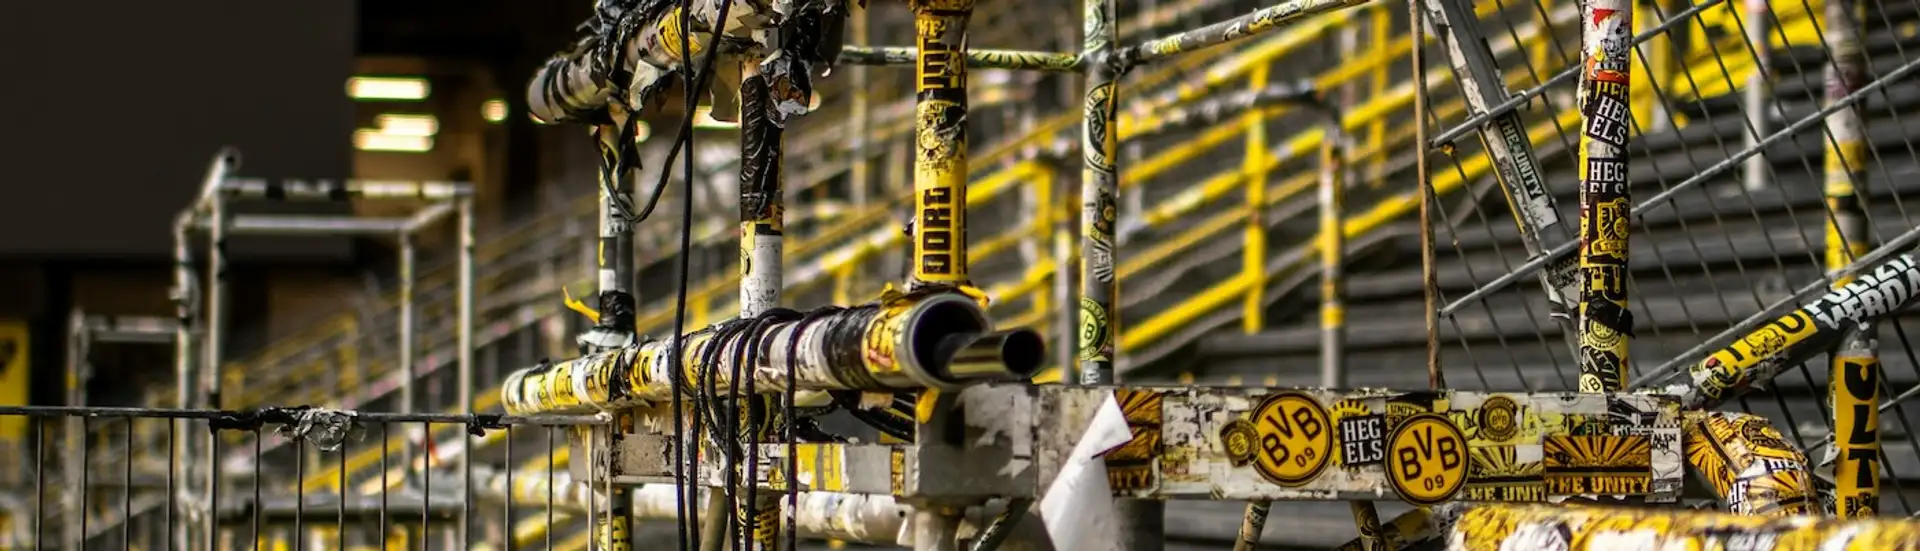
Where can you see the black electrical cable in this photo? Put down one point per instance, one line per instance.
(762, 411)
(723, 428)
(693, 80)
(793, 446)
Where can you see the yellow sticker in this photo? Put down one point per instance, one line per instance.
(1294, 438)
(1427, 461)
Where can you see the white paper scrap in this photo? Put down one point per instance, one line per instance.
(1078, 508)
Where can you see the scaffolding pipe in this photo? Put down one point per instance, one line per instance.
(905, 342)
(341, 190)
(862, 117)
(298, 224)
(1757, 96)
(78, 370)
(210, 373)
(1855, 366)
(1216, 109)
(762, 208)
(976, 58)
(1604, 324)
(940, 167)
(406, 326)
(186, 309)
(1505, 140)
(614, 260)
(574, 87)
(464, 339)
(1856, 451)
(1333, 326)
(1065, 261)
(1099, 183)
(1251, 24)
(1786, 341)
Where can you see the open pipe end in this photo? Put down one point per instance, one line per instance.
(1013, 354)
(954, 344)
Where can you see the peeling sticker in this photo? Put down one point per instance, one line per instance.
(1260, 444)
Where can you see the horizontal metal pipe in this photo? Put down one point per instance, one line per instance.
(895, 344)
(341, 190)
(1763, 352)
(1245, 26)
(974, 356)
(977, 58)
(557, 488)
(431, 215)
(1580, 528)
(571, 87)
(1215, 110)
(130, 329)
(302, 224)
(240, 420)
(327, 509)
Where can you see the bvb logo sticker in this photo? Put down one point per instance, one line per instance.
(1237, 439)
(1427, 462)
(1295, 440)
(1498, 419)
(1093, 328)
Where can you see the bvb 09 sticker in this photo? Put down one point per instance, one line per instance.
(1292, 438)
(1094, 332)
(1427, 459)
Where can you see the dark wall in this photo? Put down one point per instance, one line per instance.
(114, 108)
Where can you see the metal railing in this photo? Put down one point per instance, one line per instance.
(127, 497)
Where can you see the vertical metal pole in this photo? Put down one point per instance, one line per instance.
(1757, 96)
(465, 359)
(1253, 256)
(761, 201)
(1367, 519)
(210, 369)
(186, 309)
(210, 376)
(762, 234)
(1458, 31)
(1855, 369)
(862, 171)
(1333, 324)
(76, 440)
(940, 172)
(1855, 391)
(1604, 321)
(406, 326)
(1099, 181)
(614, 328)
(1253, 522)
(1141, 522)
(1064, 277)
(407, 404)
(1423, 179)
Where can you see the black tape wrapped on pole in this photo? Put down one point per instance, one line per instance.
(939, 339)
